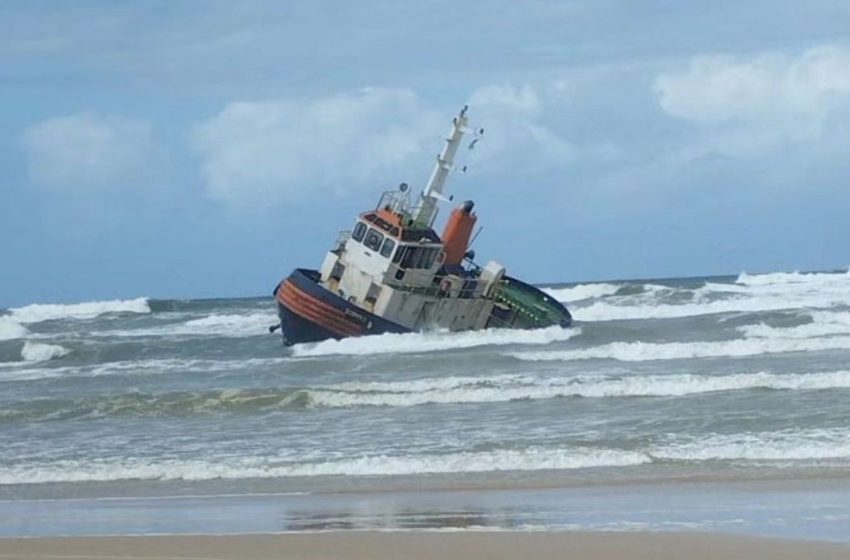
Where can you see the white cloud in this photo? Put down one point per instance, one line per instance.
(283, 150)
(259, 152)
(515, 132)
(516, 99)
(719, 89)
(88, 151)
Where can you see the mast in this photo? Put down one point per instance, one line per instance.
(434, 189)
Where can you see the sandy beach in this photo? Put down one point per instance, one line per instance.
(424, 546)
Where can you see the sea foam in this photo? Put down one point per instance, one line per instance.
(451, 390)
(824, 323)
(793, 278)
(646, 351)
(582, 291)
(430, 341)
(135, 367)
(39, 352)
(530, 459)
(46, 311)
(769, 292)
(501, 388)
(225, 325)
(786, 445)
(11, 329)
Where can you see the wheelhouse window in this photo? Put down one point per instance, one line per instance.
(387, 248)
(359, 231)
(399, 254)
(416, 257)
(429, 258)
(373, 239)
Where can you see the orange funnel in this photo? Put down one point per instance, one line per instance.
(457, 233)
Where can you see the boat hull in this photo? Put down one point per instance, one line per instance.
(310, 313)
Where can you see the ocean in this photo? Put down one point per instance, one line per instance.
(680, 389)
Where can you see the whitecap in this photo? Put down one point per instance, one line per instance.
(769, 292)
(530, 459)
(502, 388)
(390, 343)
(227, 325)
(39, 352)
(11, 329)
(137, 367)
(647, 351)
(824, 323)
(792, 278)
(582, 291)
(793, 445)
(46, 311)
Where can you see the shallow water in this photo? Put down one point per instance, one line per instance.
(727, 377)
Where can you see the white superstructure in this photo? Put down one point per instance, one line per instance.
(392, 262)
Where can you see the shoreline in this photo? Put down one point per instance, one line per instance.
(803, 509)
(425, 545)
(544, 479)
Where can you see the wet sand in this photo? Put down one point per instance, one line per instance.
(424, 546)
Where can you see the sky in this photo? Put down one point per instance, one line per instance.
(185, 149)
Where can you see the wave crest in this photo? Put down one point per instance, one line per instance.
(10, 329)
(748, 294)
(530, 459)
(583, 291)
(38, 312)
(648, 351)
(39, 352)
(787, 445)
(792, 278)
(225, 325)
(428, 342)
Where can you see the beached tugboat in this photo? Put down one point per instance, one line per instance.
(392, 273)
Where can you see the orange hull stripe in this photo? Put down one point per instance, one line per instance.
(296, 297)
(317, 311)
(314, 316)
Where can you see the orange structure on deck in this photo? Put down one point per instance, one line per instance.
(457, 233)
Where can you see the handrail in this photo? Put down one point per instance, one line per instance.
(342, 238)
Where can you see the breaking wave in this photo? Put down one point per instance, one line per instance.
(824, 323)
(787, 445)
(530, 459)
(515, 387)
(768, 292)
(137, 367)
(647, 351)
(793, 278)
(431, 341)
(39, 352)
(451, 390)
(137, 404)
(38, 312)
(10, 329)
(228, 325)
(582, 291)
(526, 387)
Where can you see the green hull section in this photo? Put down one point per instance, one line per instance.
(522, 306)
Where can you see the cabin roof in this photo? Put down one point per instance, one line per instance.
(394, 224)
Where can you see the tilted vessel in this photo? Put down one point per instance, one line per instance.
(392, 273)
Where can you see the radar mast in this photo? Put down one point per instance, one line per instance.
(445, 161)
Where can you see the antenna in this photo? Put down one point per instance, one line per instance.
(445, 161)
(474, 237)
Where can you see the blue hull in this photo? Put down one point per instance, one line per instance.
(310, 313)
